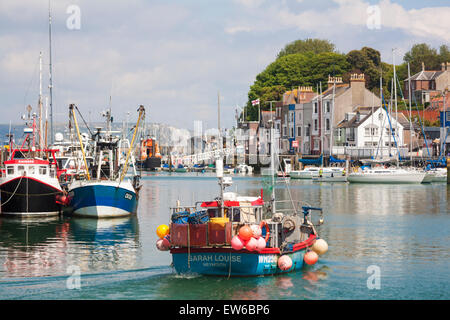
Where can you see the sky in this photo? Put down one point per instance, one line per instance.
(177, 57)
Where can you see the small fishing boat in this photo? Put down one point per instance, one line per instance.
(104, 191)
(180, 168)
(29, 183)
(229, 236)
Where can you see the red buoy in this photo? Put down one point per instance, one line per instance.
(311, 257)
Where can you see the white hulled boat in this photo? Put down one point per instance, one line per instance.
(381, 175)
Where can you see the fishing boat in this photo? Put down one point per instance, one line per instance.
(150, 157)
(382, 175)
(104, 192)
(229, 236)
(29, 183)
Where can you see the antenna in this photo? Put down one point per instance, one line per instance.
(50, 86)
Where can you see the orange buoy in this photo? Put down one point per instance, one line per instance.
(311, 257)
(162, 231)
(245, 233)
(237, 243)
(251, 244)
(284, 263)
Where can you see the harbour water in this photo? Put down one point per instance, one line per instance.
(401, 231)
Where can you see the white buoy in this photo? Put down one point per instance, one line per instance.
(320, 246)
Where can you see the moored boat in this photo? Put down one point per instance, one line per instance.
(105, 191)
(382, 175)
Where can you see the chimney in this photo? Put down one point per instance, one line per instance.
(423, 66)
(358, 88)
(332, 80)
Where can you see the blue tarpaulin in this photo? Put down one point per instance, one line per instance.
(311, 161)
(333, 159)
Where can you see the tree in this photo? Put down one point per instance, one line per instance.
(422, 53)
(308, 45)
(367, 61)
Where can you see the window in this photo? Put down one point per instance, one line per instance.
(328, 106)
(31, 170)
(315, 107)
(447, 116)
(292, 132)
(21, 169)
(299, 131)
(380, 116)
(42, 170)
(10, 170)
(316, 144)
(52, 172)
(327, 124)
(299, 116)
(315, 124)
(307, 131)
(284, 131)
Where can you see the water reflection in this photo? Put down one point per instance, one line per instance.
(44, 247)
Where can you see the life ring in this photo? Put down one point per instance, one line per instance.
(264, 224)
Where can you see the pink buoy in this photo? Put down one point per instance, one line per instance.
(311, 257)
(261, 244)
(161, 246)
(237, 243)
(251, 244)
(284, 263)
(256, 231)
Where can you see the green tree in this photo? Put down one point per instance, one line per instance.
(308, 45)
(419, 53)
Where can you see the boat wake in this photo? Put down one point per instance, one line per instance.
(66, 287)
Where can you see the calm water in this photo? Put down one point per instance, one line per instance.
(403, 230)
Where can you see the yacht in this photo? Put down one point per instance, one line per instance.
(382, 175)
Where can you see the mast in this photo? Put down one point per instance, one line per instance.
(50, 71)
(395, 102)
(389, 114)
(40, 102)
(272, 159)
(381, 110)
(321, 122)
(332, 117)
(410, 114)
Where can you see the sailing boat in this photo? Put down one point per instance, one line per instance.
(228, 236)
(388, 175)
(104, 192)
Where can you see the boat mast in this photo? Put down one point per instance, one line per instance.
(332, 117)
(50, 71)
(40, 103)
(410, 114)
(321, 122)
(395, 102)
(71, 108)
(219, 161)
(272, 159)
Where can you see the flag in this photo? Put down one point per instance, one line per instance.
(255, 102)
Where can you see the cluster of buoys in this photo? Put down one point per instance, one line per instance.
(250, 238)
(163, 243)
(319, 247)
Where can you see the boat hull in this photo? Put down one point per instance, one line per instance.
(103, 200)
(216, 262)
(386, 178)
(26, 196)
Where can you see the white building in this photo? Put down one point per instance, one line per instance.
(369, 132)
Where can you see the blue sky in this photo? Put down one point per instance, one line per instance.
(174, 56)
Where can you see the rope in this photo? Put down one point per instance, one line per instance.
(17, 187)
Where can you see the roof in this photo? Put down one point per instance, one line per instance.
(425, 75)
(361, 114)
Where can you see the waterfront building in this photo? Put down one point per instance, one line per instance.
(368, 132)
(427, 82)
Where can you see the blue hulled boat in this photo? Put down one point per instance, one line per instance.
(104, 191)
